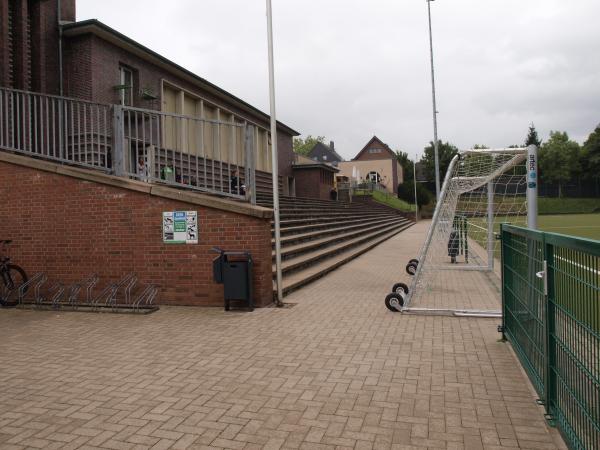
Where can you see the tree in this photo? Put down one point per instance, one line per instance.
(446, 152)
(559, 159)
(590, 157)
(532, 137)
(590, 153)
(304, 146)
(407, 165)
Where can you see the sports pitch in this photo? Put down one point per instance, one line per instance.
(581, 225)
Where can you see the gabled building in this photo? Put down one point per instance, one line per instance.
(325, 154)
(375, 163)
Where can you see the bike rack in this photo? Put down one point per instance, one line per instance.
(116, 297)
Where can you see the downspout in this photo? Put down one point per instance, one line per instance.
(60, 48)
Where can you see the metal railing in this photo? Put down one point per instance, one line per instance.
(56, 128)
(209, 155)
(551, 306)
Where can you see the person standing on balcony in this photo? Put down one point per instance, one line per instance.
(236, 188)
(142, 169)
(168, 174)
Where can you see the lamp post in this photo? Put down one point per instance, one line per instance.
(275, 166)
(435, 112)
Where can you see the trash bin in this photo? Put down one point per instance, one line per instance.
(234, 271)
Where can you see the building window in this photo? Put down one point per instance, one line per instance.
(324, 157)
(126, 82)
(374, 177)
(374, 150)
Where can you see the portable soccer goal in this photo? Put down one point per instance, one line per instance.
(482, 189)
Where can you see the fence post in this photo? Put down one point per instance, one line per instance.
(503, 238)
(250, 169)
(490, 220)
(550, 329)
(118, 141)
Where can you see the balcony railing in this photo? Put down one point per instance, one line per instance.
(214, 156)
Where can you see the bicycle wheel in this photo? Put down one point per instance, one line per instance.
(13, 279)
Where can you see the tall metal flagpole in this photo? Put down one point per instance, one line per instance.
(275, 166)
(435, 137)
(415, 183)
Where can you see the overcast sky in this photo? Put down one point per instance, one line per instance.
(349, 69)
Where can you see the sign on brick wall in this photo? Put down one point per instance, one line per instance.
(180, 227)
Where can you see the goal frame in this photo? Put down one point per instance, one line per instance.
(528, 155)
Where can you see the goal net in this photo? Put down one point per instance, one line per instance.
(482, 189)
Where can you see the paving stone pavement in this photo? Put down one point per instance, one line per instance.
(335, 371)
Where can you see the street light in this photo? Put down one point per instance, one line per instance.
(435, 112)
(275, 174)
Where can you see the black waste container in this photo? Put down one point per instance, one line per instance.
(234, 271)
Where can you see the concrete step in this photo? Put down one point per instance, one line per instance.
(299, 278)
(294, 246)
(313, 226)
(323, 215)
(294, 222)
(307, 259)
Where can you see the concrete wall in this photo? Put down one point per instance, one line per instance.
(71, 222)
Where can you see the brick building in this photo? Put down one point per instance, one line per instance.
(91, 120)
(102, 65)
(375, 163)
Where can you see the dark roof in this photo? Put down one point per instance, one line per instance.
(104, 31)
(316, 165)
(326, 148)
(375, 139)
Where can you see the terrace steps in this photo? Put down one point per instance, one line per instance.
(317, 236)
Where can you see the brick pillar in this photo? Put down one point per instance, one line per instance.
(5, 79)
(44, 42)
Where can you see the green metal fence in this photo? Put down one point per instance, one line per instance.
(551, 306)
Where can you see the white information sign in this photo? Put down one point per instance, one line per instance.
(180, 227)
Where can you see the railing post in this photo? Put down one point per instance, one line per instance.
(549, 329)
(118, 141)
(250, 169)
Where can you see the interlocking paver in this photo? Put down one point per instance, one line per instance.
(337, 370)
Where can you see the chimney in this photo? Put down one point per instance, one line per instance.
(331, 146)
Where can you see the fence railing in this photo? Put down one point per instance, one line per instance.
(208, 155)
(551, 306)
(57, 128)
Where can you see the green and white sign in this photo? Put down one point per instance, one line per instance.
(180, 227)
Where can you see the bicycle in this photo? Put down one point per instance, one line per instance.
(12, 276)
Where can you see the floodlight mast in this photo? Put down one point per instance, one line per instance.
(435, 112)
(275, 164)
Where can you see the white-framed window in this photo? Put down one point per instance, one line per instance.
(324, 157)
(126, 82)
(374, 150)
(374, 177)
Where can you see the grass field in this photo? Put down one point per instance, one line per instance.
(582, 225)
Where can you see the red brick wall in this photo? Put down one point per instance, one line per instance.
(78, 68)
(69, 228)
(35, 55)
(309, 183)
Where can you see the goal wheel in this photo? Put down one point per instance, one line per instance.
(394, 301)
(411, 268)
(416, 261)
(400, 288)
